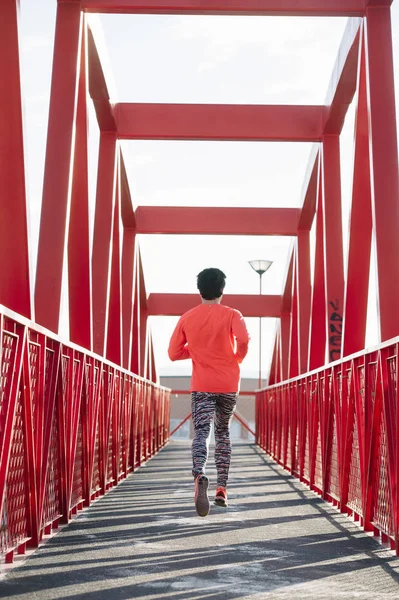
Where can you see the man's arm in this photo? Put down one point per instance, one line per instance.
(178, 349)
(240, 332)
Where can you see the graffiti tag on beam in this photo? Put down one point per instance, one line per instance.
(334, 331)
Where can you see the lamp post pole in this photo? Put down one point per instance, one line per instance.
(260, 266)
(260, 335)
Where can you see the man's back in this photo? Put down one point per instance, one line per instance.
(217, 341)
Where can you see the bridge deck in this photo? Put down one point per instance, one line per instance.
(143, 540)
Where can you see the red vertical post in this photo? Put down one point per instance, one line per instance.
(333, 249)
(317, 341)
(114, 329)
(285, 345)
(79, 268)
(14, 251)
(143, 318)
(285, 321)
(58, 165)
(293, 352)
(359, 250)
(304, 294)
(135, 353)
(128, 280)
(103, 228)
(384, 164)
(273, 364)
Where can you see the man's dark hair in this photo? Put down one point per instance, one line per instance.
(210, 283)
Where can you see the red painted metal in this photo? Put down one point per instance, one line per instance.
(98, 87)
(66, 429)
(128, 282)
(333, 249)
(58, 165)
(103, 228)
(293, 365)
(14, 251)
(188, 393)
(317, 341)
(359, 251)
(143, 320)
(384, 165)
(180, 424)
(343, 426)
(248, 305)
(79, 267)
(304, 295)
(310, 196)
(114, 325)
(216, 220)
(219, 122)
(343, 83)
(310, 8)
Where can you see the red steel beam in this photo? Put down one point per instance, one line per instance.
(58, 166)
(217, 220)
(102, 236)
(98, 87)
(79, 267)
(333, 249)
(341, 91)
(344, 78)
(14, 252)
(384, 165)
(219, 122)
(359, 250)
(174, 305)
(293, 8)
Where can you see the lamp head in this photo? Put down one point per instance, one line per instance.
(261, 266)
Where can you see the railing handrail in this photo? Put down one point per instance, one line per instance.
(10, 314)
(335, 363)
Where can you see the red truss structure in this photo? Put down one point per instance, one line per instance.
(95, 398)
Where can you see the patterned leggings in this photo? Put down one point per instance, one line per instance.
(205, 407)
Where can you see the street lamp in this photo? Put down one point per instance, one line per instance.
(260, 266)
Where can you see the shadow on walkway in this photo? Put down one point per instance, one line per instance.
(144, 540)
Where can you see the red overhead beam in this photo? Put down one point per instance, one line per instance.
(294, 8)
(174, 305)
(98, 87)
(219, 122)
(217, 220)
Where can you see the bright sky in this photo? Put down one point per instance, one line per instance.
(267, 60)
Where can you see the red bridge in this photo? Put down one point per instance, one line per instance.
(78, 415)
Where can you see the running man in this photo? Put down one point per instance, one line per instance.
(215, 337)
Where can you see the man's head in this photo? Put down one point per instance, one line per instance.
(210, 283)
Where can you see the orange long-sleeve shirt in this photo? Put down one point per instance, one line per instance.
(215, 337)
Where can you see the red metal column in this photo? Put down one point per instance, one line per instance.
(286, 309)
(317, 341)
(384, 165)
(128, 285)
(293, 352)
(359, 251)
(143, 317)
(59, 164)
(114, 329)
(135, 352)
(333, 250)
(79, 267)
(103, 228)
(14, 252)
(304, 292)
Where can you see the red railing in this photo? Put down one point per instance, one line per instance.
(72, 425)
(336, 429)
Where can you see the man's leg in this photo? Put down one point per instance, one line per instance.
(202, 410)
(225, 406)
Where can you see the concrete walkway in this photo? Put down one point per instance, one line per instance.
(143, 540)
